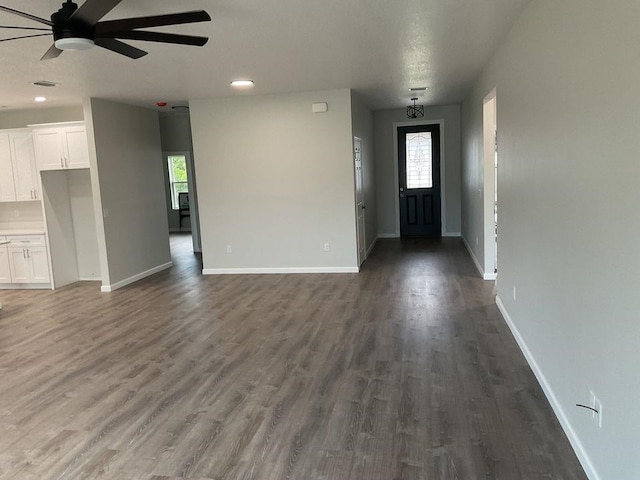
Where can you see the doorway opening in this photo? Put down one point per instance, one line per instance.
(419, 180)
(181, 197)
(490, 170)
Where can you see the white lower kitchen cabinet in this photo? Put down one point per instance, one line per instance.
(28, 260)
(5, 269)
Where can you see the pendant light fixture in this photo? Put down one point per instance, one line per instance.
(415, 111)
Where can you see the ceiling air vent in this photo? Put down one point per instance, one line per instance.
(45, 83)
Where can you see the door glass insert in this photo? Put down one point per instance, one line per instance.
(419, 162)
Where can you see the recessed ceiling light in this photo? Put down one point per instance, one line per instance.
(242, 83)
(40, 99)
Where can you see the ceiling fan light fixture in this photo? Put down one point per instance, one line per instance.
(74, 43)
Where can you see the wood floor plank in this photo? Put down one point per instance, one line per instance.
(403, 371)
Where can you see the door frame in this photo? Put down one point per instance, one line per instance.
(361, 233)
(489, 127)
(443, 209)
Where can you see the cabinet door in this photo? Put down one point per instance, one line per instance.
(76, 148)
(18, 263)
(7, 188)
(5, 270)
(48, 143)
(39, 266)
(24, 167)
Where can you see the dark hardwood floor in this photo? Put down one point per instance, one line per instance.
(405, 371)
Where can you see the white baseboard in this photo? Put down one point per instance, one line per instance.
(25, 286)
(578, 448)
(262, 271)
(473, 257)
(135, 278)
(483, 274)
(396, 235)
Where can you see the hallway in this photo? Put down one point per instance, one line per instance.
(404, 371)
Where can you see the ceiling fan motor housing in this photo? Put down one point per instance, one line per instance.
(63, 28)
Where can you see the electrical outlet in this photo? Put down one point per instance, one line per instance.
(326, 247)
(229, 249)
(514, 293)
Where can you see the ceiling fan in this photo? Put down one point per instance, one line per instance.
(80, 28)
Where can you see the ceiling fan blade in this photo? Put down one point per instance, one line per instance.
(126, 24)
(25, 36)
(162, 37)
(27, 15)
(26, 28)
(120, 47)
(91, 11)
(53, 52)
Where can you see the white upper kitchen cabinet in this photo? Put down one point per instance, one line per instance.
(18, 175)
(25, 175)
(61, 147)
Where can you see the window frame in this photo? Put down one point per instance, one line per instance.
(173, 191)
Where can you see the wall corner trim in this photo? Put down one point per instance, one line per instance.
(285, 270)
(577, 445)
(135, 278)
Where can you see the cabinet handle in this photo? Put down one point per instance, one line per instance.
(24, 254)
(66, 162)
(28, 253)
(61, 163)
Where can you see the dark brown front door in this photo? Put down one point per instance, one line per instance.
(419, 180)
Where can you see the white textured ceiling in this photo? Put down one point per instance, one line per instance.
(379, 48)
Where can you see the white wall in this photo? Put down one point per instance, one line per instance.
(386, 184)
(84, 224)
(126, 164)
(568, 116)
(31, 116)
(29, 215)
(275, 182)
(362, 120)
